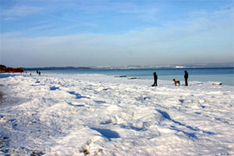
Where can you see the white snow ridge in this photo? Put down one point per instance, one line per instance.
(82, 114)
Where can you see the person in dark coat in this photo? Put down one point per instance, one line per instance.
(155, 79)
(186, 77)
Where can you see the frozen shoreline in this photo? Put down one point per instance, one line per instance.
(97, 114)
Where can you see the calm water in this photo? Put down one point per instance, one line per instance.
(224, 75)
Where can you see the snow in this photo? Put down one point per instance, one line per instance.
(92, 114)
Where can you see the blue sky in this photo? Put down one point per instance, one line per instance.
(39, 33)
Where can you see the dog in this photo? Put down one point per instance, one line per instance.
(176, 82)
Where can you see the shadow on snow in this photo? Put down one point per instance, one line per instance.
(78, 96)
(107, 133)
(192, 135)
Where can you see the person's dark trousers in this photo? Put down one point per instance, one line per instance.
(186, 82)
(155, 83)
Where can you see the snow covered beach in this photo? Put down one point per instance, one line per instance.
(87, 114)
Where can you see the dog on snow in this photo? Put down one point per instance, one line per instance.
(176, 82)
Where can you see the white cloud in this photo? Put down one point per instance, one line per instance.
(20, 11)
(147, 46)
(10, 34)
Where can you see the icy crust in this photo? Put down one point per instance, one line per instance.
(82, 114)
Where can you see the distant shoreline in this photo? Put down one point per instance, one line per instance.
(119, 68)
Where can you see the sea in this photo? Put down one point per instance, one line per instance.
(223, 75)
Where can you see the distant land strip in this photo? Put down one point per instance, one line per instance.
(58, 68)
(123, 68)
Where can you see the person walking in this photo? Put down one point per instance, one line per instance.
(155, 79)
(186, 77)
